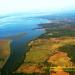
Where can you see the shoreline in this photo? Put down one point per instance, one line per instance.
(23, 56)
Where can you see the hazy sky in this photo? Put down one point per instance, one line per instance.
(42, 6)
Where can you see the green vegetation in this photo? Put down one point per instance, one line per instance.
(51, 49)
(70, 49)
(58, 33)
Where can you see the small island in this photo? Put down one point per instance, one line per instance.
(4, 52)
(16, 36)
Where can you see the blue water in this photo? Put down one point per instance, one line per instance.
(9, 26)
(13, 25)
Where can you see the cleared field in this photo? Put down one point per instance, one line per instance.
(47, 53)
(4, 52)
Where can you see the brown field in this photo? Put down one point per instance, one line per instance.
(4, 52)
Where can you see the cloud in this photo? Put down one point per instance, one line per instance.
(9, 6)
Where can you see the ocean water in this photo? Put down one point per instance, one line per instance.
(10, 27)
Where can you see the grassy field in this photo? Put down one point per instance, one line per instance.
(53, 49)
(46, 53)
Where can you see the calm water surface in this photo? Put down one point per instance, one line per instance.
(13, 25)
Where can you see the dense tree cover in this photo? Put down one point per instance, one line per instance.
(70, 49)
